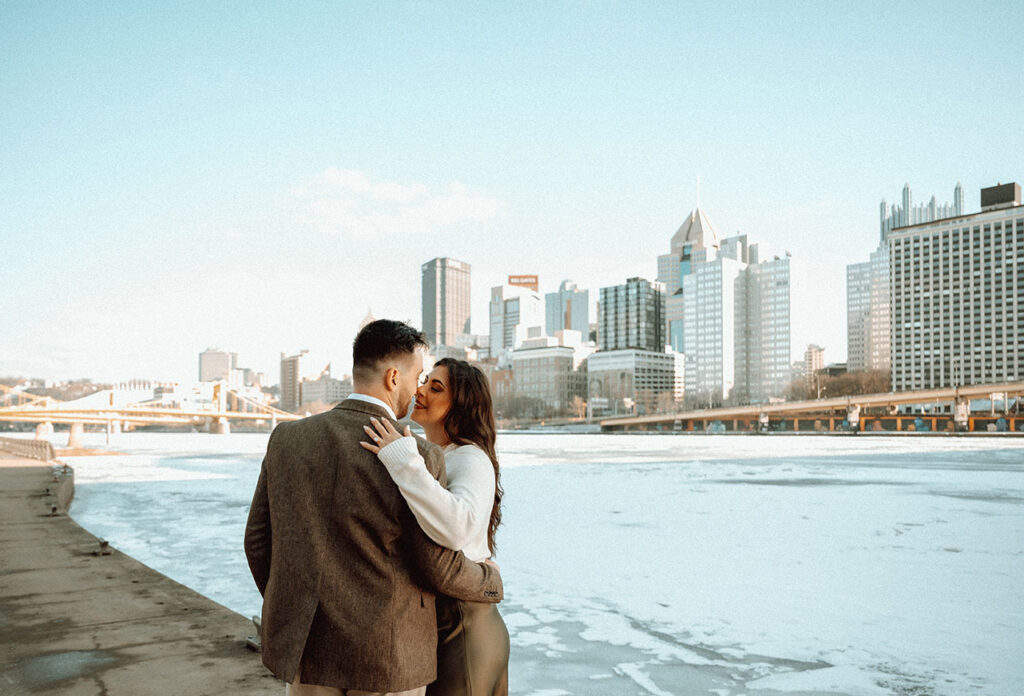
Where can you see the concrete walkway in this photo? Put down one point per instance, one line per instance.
(80, 624)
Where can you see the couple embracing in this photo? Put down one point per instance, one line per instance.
(371, 547)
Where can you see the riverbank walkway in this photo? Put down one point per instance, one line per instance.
(77, 622)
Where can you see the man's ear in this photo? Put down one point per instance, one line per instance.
(391, 379)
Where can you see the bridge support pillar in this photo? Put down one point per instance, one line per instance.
(44, 430)
(220, 426)
(853, 416)
(961, 413)
(75, 435)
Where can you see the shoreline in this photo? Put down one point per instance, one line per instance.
(79, 618)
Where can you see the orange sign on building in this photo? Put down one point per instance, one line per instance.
(525, 281)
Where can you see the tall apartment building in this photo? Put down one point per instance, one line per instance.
(762, 333)
(736, 323)
(632, 370)
(814, 360)
(516, 313)
(291, 376)
(867, 313)
(868, 323)
(632, 315)
(694, 236)
(958, 296)
(445, 300)
(569, 308)
(215, 364)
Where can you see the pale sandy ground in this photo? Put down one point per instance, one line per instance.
(80, 624)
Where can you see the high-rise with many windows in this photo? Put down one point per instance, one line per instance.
(762, 332)
(694, 236)
(516, 313)
(736, 323)
(445, 300)
(958, 296)
(215, 364)
(632, 316)
(569, 308)
(868, 323)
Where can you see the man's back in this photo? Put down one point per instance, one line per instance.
(342, 563)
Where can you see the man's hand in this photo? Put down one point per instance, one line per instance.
(382, 433)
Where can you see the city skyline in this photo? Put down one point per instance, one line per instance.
(164, 187)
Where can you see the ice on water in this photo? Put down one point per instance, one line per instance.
(661, 564)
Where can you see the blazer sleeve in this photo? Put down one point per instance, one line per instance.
(258, 534)
(450, 572)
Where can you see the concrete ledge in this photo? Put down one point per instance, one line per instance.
(79, 623)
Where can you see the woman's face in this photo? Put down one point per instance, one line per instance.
(433, 398)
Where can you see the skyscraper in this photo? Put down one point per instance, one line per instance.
(632, 316)
(867, 313)
(516, 313)
(445, 300)
(868, 324)
(694, 236)
(732, 316)
(569, 308)
(762, 327)
(958, 296)
(215, 364)
(292, 370)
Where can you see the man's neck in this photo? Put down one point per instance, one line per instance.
(380, 395)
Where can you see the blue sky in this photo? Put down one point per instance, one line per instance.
(256, 176)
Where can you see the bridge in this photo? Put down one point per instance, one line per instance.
(944, 409)
(117, 409)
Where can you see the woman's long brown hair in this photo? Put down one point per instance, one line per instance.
(470, 421)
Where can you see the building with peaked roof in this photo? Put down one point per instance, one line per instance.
(727, 307)
(693, 236)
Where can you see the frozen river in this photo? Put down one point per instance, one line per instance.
(667, 564)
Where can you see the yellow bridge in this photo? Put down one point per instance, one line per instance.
(227, 405)
(863, 412)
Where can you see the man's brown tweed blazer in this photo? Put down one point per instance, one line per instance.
(346, 573)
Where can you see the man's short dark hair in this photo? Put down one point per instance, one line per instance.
(382, 340)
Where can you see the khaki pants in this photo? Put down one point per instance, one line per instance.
(297, 688)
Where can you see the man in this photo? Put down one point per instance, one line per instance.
(346, 573)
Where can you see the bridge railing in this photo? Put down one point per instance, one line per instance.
(33, 449)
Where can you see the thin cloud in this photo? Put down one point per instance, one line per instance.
(352, 204)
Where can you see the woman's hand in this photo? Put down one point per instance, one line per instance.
(382, 433)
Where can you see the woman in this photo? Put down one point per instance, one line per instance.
(454, 407)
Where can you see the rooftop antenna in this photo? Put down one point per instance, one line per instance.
(698, 190)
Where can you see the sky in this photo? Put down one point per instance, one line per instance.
(259, 176)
